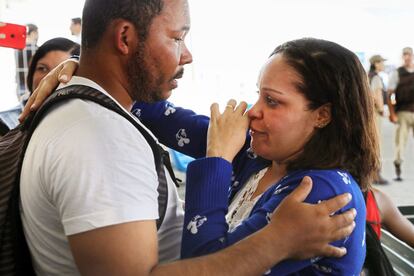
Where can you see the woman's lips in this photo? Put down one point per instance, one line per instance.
(255, 132)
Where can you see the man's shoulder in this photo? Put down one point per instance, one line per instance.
(77, 119)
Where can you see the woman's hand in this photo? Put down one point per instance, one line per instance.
(227, 131)
(60, 74)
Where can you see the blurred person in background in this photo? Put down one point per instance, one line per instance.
(76, 29)
(401, 84)
(378, 90)
(23, 58)
(47, 57)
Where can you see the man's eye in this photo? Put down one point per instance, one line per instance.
(178, 39)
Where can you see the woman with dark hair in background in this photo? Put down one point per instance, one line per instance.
(47, 57)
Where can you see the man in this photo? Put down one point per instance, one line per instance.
(23, 58)
(89, 207)
(76, 29)
(401, 84)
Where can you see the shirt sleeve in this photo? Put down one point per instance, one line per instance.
(103, 173)
(376, 83)
(177, 128)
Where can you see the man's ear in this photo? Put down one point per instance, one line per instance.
(323, 116)
(125, 36)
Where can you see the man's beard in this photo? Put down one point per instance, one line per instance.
(143, 84)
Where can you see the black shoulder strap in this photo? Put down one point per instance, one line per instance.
(376, 260)
(91, 94)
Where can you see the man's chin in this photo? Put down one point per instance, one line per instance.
(160, 96)
(167, 94)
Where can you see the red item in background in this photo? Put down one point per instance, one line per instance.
(373, 213)
(12, 35)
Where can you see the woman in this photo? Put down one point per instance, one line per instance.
(379, 94)
(313, 118)
(47, 57)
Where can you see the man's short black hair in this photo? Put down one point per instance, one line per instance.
(77, 20)
(31, 28)
(97, 14)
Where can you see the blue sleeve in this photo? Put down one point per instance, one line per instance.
(180, 129)
(177, 128)
(204, 203)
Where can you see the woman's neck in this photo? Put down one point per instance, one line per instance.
(273, 174)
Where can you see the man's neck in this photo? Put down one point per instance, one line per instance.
(110, 79)
(409, 67)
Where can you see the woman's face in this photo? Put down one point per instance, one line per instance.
(281, 122)
(379, 66)
(47, 63)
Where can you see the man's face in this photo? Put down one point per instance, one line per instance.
(159, 61)
(407, 58)
(75, 29)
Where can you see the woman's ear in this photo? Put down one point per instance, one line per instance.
(323, 115)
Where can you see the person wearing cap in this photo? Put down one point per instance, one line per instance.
(378, 91)
(401, 83)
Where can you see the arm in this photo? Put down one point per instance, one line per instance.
(185, 131)
(206, 203)
(393, 220)
(393, 116)
(131, 248)
(178, 128)
(392, 84)
(376, 87)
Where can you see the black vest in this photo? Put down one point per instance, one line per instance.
(404, 93)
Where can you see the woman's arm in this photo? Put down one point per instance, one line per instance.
(393, 220)
(180, 129)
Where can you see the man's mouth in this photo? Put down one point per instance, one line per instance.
(179, 75)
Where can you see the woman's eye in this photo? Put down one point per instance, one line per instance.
(42, 69)
(178, 39)
(271, 102)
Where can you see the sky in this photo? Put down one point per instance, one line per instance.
(231, 39)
